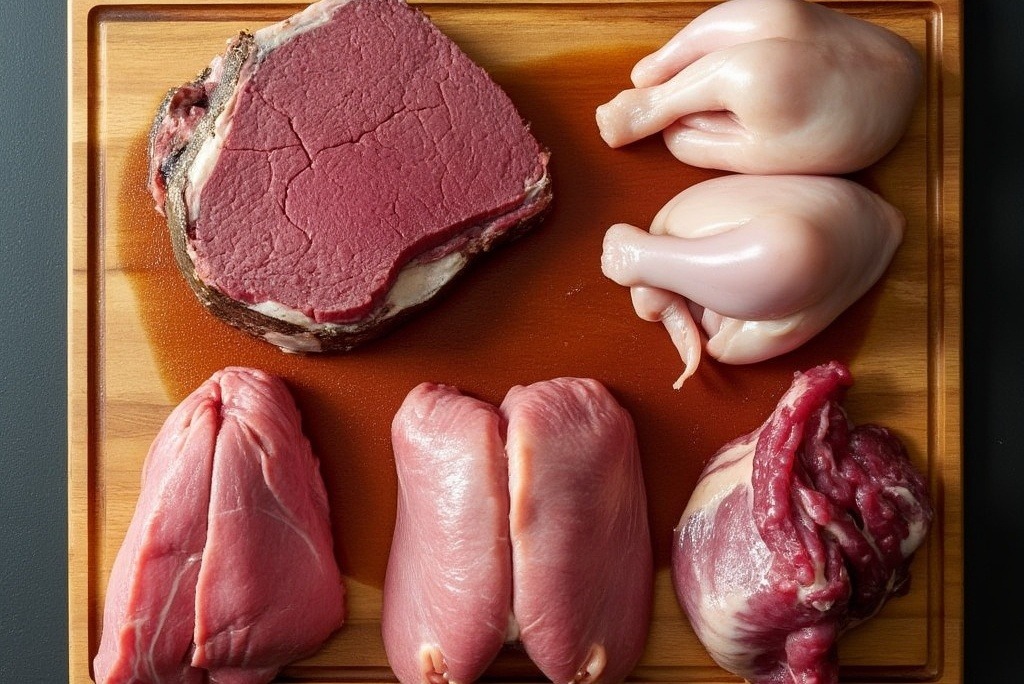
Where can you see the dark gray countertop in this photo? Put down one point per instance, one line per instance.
(33, 437)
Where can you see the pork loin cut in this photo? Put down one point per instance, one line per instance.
(796, 532)
(333, 172)
(581, 548)
(227, 572)
(447, 593)
(520, 523)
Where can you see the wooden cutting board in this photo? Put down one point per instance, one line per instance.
(139, 342)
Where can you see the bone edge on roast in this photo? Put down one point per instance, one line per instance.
(416, 284)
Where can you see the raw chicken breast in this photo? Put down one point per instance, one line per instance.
(797, 532)
(581, 550)
(227, 572)
(771, 86)
(448, 587)
(764, 262)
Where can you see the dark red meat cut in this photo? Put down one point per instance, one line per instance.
(336, 170)
(796, 532)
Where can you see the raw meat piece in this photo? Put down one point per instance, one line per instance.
(448, 588)
(764, 262)
(797, 532)
(772, 86)
(334, 171)
(227, 572)
(149, 613)
(574, 583)
(581, 552)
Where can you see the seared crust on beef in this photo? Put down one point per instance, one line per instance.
(174, 167)
(173, 164)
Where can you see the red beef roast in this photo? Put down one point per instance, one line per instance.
(331, 173)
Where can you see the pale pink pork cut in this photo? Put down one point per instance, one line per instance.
(227, 572)
(525, 524)
(332, 173)
(581, 548)
(449, 577)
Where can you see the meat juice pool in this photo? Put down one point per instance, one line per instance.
(535, 309)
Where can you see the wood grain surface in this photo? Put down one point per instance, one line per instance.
(138, 343)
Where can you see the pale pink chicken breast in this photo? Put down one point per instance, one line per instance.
(765, 263)
(581, 549)
(771, 86)
(227, 572)
(448, 587)
(797, 532)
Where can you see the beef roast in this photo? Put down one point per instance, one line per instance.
(227, 571)
(796, 532)
(330, 173)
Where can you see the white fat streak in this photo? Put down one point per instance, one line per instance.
(316, 14)
(818, 584)
(915, 537)
(419, 282)
(285, 313)
(718, 621)
(304, 342)
(202, 165)
(729, 468)
(161, 621)
(918, 527)
(415, 284)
